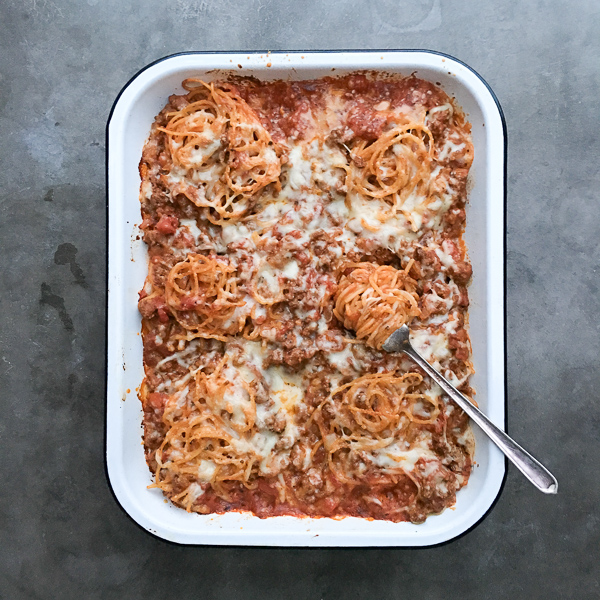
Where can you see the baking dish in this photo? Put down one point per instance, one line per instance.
(128, 127)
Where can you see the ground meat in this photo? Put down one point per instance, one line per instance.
(167, 224)
(459, 342)
(438, 122)
(461, 271)
(276, 422)
(455, 220)
(149, 305)
(178, 102)
(365, 123)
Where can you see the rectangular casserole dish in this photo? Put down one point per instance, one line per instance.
(128, 127)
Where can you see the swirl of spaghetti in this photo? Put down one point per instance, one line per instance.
(393, 166)
(369, 414)
(375, 300)
(198, 444)
(222, 151)
(203, 441)
(201, 292)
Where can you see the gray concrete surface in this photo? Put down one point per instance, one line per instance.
(62, 62)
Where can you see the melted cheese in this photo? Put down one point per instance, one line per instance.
(395, 456)
(183, 357)
(344, 361)
(450, 148)
(291, 269)
(206, 470)
(286, 387)
(232, 232)
(195, 491)
(433, 347)
(299, 171)
(192, 228)
(269, 277)
(208, 143)
(146, 190)
(441, 108)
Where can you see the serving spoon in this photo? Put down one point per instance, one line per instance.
(399, 342)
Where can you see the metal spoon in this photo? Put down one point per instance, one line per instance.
(532, 469)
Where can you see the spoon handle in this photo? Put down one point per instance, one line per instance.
(529, 466)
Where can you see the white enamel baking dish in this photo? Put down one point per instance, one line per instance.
(128, 126)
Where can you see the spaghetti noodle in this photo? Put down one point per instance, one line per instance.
(217, 144)
(202, 295)
(394, 166)
(375, 300)
(371, 413)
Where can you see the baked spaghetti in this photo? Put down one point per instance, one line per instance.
(291, 227)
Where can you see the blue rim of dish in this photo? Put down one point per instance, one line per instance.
(504, 207)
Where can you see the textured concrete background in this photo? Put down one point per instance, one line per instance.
(62, 62)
